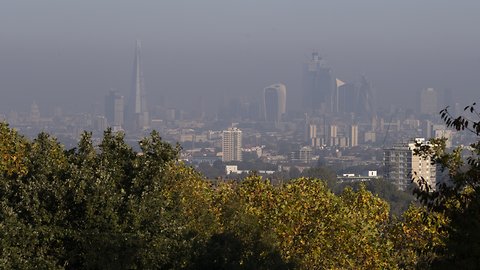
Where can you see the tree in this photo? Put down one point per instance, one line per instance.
(458, 198)
(103, 207)
(294, 172)
(418, 236)
(13, 152)
(245, 239)
(398, 200)
(109, 207)
(32, 208)
(209, 171)
(323, 173)
(302, 224)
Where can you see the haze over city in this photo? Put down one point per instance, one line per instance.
(213, 134)
(70, 54)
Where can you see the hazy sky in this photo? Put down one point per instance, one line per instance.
(70, 53)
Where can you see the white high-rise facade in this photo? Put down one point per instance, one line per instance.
(402, 165)
(232, 145)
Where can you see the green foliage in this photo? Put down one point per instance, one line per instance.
(322, 172)
(12, 151)
(108, 207)
(458, 196)
(99, 208)
(212, 171)
(245, 228)
(418, 237)
(320, 230)
(308, 226)
(399, 201)
(31, 201)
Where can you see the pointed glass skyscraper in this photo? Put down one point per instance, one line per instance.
(137, 106)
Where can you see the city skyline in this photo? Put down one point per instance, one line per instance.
(331, 97)
(239, 134)
(59, 58)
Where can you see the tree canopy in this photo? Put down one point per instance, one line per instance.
(108, 207)
(457, 195)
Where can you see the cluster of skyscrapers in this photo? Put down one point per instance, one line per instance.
(333, 108)
(323, 93)
(336, 114)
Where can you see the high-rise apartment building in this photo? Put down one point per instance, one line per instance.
(353, 135)
(274, 102)
(114, 109)
(311, 135)
(232, 145)
(137, 113)
(333, 135)
(402, 165)
(318, 86)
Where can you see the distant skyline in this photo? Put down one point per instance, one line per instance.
(70, 54)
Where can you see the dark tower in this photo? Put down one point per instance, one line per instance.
(318, 86)
(365, 103)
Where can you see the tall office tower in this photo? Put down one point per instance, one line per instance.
(254, 110)
(138, 117)
(353, 135)
(346, 97)
(428, 101)
(232, 145)
(232, 110)
(274, 102)
(365, 99)
(446, 99)
(318, 86)
(114, 109)
(402, 165)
